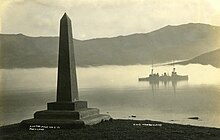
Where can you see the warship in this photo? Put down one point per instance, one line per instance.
(155, 77)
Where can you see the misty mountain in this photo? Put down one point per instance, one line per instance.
(212, 58)
(163, 45)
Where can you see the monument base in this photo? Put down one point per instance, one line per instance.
(41, 124)
(62, 119)
(67, 105)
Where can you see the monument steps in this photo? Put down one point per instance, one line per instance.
(35, 124)
(64, 123)
(66, 114)
(75, 105)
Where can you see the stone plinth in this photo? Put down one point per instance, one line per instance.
(64, 123)
(66, 118)
(61, 114)
(67, 105)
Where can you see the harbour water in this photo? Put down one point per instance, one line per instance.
(115, 90)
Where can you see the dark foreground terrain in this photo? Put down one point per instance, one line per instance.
(116, 129)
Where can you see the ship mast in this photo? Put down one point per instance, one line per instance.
(152, 68)
(174, 68)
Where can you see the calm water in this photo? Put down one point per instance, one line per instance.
(116, 90)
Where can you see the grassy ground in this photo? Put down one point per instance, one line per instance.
(116, 129)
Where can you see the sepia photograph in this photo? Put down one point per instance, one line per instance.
(110, 69)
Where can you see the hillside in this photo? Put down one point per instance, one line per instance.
(166, 44)
(211, 58)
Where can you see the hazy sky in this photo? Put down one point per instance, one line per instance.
(103, 18)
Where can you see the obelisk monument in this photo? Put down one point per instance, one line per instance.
(67, 89)
(68, 111)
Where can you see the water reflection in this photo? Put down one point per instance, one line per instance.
(155, 84)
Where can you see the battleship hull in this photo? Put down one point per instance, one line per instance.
(165, 78)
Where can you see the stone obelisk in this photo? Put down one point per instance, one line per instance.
(67, 89)
(68, 111)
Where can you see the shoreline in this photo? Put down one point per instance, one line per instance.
(116, 129)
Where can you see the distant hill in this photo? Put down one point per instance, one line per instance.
(163, 45)
(212, 58)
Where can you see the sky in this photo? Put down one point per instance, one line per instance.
(103, 18)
